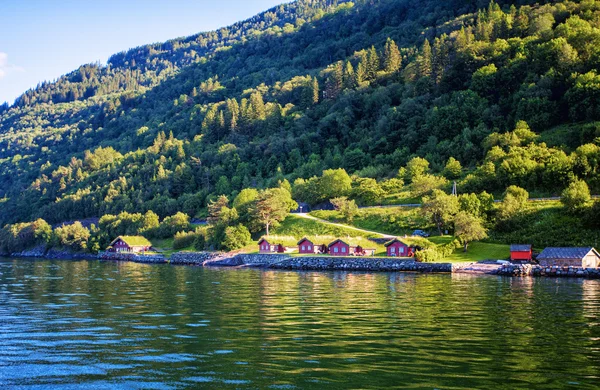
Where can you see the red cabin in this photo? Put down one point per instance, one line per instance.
(264, 246)
(520, 253)
(339, 248)
(130, 244)
(397, 248)
(305, 246)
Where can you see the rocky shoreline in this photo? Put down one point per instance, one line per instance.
(320, 263)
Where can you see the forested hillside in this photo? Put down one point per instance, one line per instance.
(509, 90)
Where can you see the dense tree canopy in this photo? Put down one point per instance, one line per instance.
(325, 94)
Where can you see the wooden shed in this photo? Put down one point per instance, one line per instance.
(520, 253)
(586, 257)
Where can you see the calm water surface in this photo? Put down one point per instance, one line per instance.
(106, 325)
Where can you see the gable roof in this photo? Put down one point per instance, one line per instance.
(394, 241)
(263, 240)
(335, 242)
(133, 240)
(304, 239)
(566, 253)
(520, 248)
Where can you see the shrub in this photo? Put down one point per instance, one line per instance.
(184, 240)
(236, 237)
(576, 197)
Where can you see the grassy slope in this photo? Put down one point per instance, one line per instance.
(396, 220)
(477, 251)
(401, 221)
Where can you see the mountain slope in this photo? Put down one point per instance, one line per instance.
(302, 88)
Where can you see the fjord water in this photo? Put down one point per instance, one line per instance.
(122, 325)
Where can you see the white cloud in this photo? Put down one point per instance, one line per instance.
(6, 67)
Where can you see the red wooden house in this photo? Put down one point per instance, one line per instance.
(339, 248)
(305, 246)
(130, 244)
(520, 253)
(264, 246)
(397, 248)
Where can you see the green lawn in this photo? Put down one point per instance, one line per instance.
(394, 220)
(477, 251)
(300, 227)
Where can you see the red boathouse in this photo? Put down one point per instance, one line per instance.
(264, 246)
(520, 253)
(339, 248)
(397, 248)
(305, 246)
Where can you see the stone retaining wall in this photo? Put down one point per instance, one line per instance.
(193, 258)
(134, 257)
(323, 263)
(554, 271)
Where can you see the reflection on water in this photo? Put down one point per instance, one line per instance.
(105, 325)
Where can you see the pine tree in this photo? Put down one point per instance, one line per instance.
(349, 76)
(315, 91)
(335, 81)
(392, 60)
(425, 60)
(257, 106)
(372, 63)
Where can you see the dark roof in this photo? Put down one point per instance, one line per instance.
(393, 241)
(263, 239)
(520, 248)
(565, 253)
(336, 241)
(304, 239)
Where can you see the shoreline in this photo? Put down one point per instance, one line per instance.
(322, 263)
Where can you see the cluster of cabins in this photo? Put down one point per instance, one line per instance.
(394, 248)
(585, 257)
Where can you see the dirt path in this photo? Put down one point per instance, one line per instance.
(305, 215)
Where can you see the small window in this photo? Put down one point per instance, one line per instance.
(303, 247)
(335, 250)
(401, 250)
(393, 250)
(310, 248)
(343, 249)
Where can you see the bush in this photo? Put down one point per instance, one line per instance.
(236, 237)
(172, 225)
(576, 197)
(184, 239)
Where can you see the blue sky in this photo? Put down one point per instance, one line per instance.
(44, 39)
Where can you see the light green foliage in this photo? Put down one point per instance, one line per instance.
(440, 208)
(453, 169)
(468, 228)
(576, 197)
(366, 191)
(514, 202)
(416, 167)
(172, 225)
(425, 184)
(347, 208)
(272, 206)
(74, 236)
(236, 237)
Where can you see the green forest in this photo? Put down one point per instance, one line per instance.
(378, 101)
